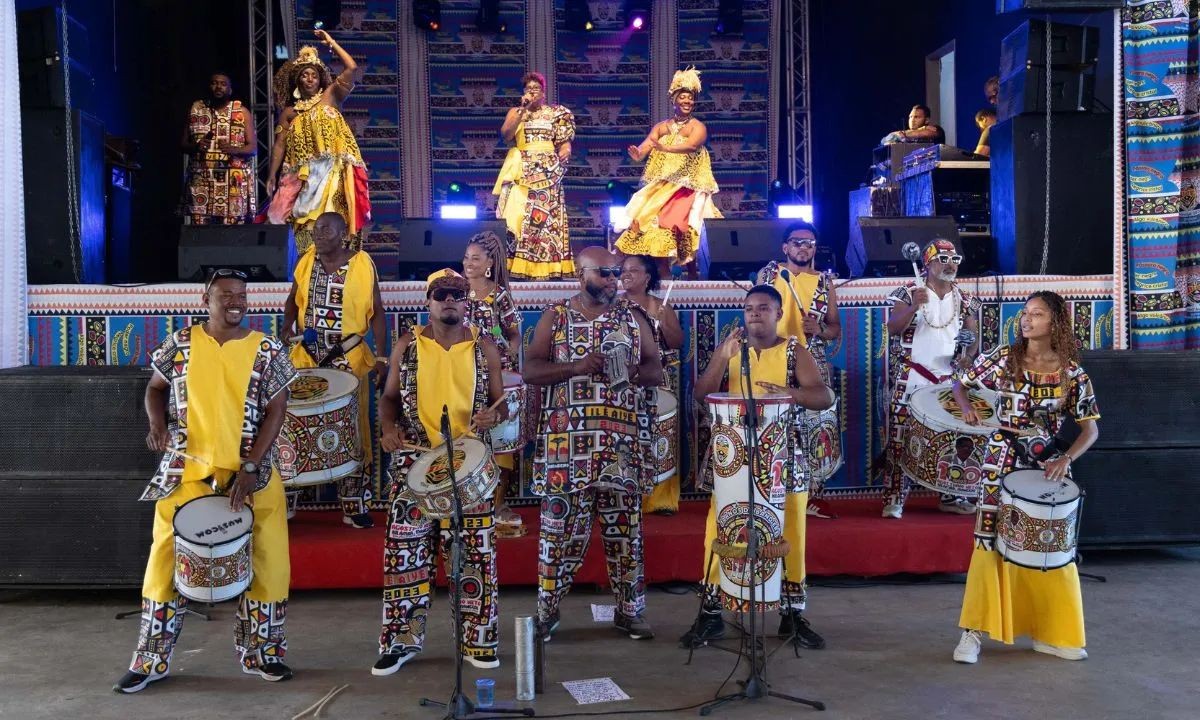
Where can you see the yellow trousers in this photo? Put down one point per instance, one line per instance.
(1006, 601)
(272, 566)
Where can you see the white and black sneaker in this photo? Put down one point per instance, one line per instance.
(273, 671)
(132, 682)
(389, 663)
(485, 661)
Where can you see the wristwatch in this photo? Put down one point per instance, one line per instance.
(249, 467)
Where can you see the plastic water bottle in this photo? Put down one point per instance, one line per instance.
(485, 692)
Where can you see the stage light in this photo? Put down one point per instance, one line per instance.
(427, 14)
(459, 212)
(460, 202)
(577, 16)
(616, 215)
(637, 14)
(638, 22)
(619, 192)
(488, 18)
(729, 16)
(795, 211)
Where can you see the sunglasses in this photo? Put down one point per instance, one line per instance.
(949, 259)
(220, 273)
(448, 295)
(605, 272)
(802, 242)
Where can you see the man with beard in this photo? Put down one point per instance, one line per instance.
(220, 143)
(216, 402)
(590, 353)
(445, 364)
(921, 129)
(926, 318)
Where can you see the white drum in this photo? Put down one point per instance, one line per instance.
(474, 468)
(940, 450)
(731, 471)
(319, 440)
(1037, 525)
(212, 549)
(514, 433)
(665, 441)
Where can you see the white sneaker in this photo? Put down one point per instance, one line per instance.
(1065, 653)
(893, 510)
(967, 650)
(959, 506)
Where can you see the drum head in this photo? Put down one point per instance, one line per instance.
(208, 521)
(727, 398)
(1032, 486)
(430, 473)
(935, 407)
(512, 379)
(667, 402)
(317, 386)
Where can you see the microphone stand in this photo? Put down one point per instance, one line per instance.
(459, 705)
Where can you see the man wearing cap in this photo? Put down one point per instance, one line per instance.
(590, 353)
(443, 364)
(924, 326)
(215, 403)
(335, 299)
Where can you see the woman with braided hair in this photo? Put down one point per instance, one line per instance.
(316, 166)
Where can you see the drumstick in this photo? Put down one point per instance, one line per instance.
(418, 448)
(493, 406)
(193, 458)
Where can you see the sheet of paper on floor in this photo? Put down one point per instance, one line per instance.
(596, 690)
(603, 613)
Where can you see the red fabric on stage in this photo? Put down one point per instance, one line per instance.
(327, 554)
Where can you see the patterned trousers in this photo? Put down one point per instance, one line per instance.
(259, 635)
(409, 570)
(566, 529)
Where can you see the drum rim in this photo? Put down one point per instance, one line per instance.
(1004, 486)
(941, 424)
(201, 543)
(330, 398)
(728, 398)
(486, 447)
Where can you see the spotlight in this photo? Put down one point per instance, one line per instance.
(795, 211)
(637, 14)
(460, 202)
(427, 14)
(459, 212)
(616, 215)
(488, 18)
(729, 17)
(780, 196)
(577, 16)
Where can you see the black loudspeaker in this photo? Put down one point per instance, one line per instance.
(740, 248)
(1003, 6)
(73, 462)
(1025, 92)
(978, 252)
(1071, 46)
(1081, 222)
(427, 245)
(52, 254)
(260, 251)
(1142, 477)
(40, 59)
(875, 243)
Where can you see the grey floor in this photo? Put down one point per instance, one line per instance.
(888, 656)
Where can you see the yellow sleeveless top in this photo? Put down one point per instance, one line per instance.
(805, 285)
(218, 377)
(690, 170)
(445, 377)
(770, 365)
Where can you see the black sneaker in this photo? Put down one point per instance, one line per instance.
(361, 521)
(485, 661)
(273, 671)
(792, 623)
(389, 663)
(709, 626)
(132, 682)
(550, 627)
(635, 625)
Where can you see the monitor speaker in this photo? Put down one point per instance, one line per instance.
(260, 251)
(738, 249)
(875, 244)
(427, 245)
(1003, 6)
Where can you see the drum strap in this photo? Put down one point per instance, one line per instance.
(926, 373)
(346, 345)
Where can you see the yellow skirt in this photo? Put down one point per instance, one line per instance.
(795, 522)
(665, 496)
(272, 566)
(1007, 601)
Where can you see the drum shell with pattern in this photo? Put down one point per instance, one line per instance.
(1037, 525)
(821, 435)
(664, 446)
(523, 403)
(940, 450)
(428, 481)
(212, 549)
(319, 441)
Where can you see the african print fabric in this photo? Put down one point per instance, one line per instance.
(495, 315)
(221, 187)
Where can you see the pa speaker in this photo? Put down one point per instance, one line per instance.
(875, 243)
(260, 251)
(1081, 222)
(427, 245)
(1071, 46)
(1025, 92)
(1003, 6)
(738, 249)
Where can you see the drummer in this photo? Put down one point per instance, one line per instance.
(490, 308)
(777, 365)
(1038, 375)
(444, 364)
(334, 300)
(211, 381)
(925, 327)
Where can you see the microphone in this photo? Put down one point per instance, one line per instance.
(751, 420)
(735, 282)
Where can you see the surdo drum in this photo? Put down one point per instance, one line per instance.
(941, 451)
(212, 549)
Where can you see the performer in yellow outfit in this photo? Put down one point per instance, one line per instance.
(1040, 371)
(530, 185)
(322, 167)
(665, 218)
(216, 403)
(335, 295)
(777, 366)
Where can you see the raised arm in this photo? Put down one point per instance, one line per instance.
(343, 84)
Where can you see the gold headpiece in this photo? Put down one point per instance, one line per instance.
(308, 56)
(685, 80)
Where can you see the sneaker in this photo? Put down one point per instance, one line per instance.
(1066, 653)
(389, 663)
(507, 516)
(967, 650)
(551, 627)
(959, 506)
(636, 626)
(361, 521)
(663, 512)
(273, 671)
(792, 623)
(132, 682)
(709, 626)
(893, 510)
(485, 661)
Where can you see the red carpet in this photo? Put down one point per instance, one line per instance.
(327, 554)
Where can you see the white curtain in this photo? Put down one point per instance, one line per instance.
(14, 324)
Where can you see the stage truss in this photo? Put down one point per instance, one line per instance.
(799, 129)
(260, 15)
